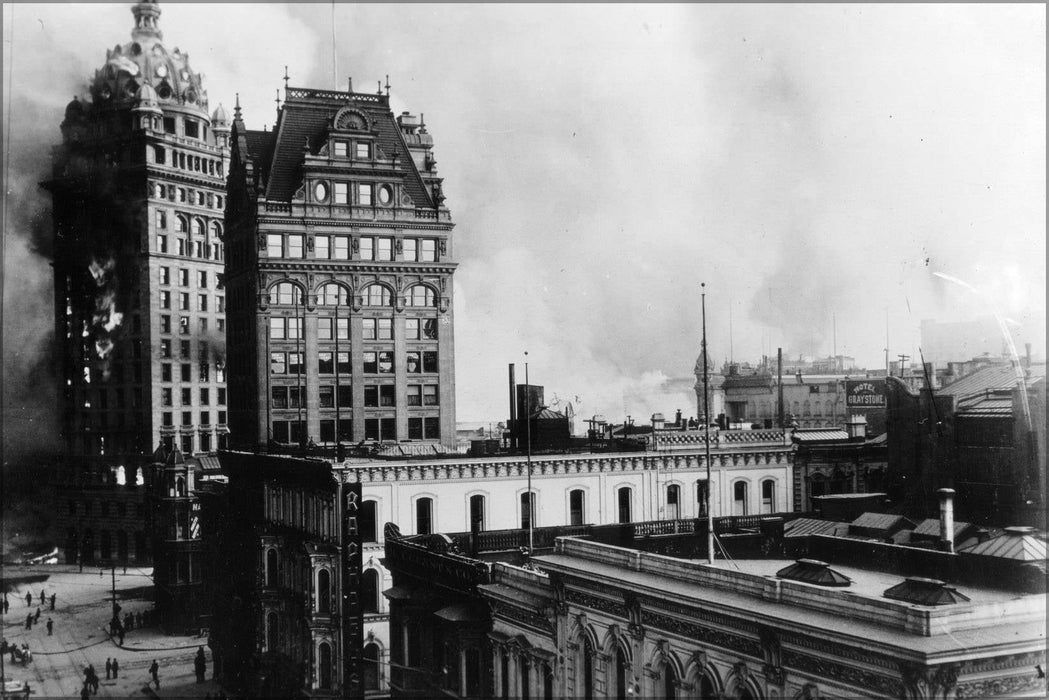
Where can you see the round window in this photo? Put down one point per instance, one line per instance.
(385, 194)
(320, 191)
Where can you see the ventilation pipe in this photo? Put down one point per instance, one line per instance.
(946, 519)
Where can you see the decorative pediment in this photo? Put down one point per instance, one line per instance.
(350, 119)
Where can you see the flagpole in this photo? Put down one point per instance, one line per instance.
(528, 453)
(706, 428)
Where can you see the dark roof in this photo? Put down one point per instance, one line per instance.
(803, 527)
(1018, 543)
(815, 572)
(879, 524)
(988, 407)
(988, 379)
(925, 591)
(260, 146)
(548, 414)
(750, 381)
(930, 527)
(307, 116)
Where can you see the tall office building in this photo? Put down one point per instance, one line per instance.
(339, 276)
(138, 190)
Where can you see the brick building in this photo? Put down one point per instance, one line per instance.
(340, 277)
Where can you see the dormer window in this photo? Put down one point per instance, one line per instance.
(362, 150)
(340, 149)
(192, 129)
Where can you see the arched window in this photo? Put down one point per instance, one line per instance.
(477, 513)
(669, 681)
(527, 509)
(371, 666)
(370, 591)
(333, 295)
(216, 230)
(424, 516)
(622, 676)
(806, 408)
(181, 224)
(817, 408)
(272, 633)
(768, 496)
(271, 568)
(706, 689)
(673, 502)
(324, 666)
(576, 507)
(376, 295)
(587, 668)
(285, 293)
(624, 496)
(196, 227)
(323, 591)
(421, 295)
(366, 522)
(739, 498)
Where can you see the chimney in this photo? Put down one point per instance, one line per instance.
(1027, 356)
(658, 421)
(946, 519)
(513, 409)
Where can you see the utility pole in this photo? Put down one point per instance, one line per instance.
(903, 359)
(528, 453)
(706, 416)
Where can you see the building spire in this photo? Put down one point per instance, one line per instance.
(146, 15)
(236, 108)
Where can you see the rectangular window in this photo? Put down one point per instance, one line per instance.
(165, 372)
(327, 396)
(430, 395)
(322, 247)
(430, 362)
(222, 418)
(203, 324)
(384, 330)
(327, 431)
(324, 328)
(369, 328)
(205, 397)
(183, 277)
(186, 372)
(413, 362)
(345, 396)
(183, 325)
(183, 301)
(367, 248)
(295, 365)
(184, 349)
(162, 219)
(340, 149)
(274, 245)
(364, 195)
(202, 302)
(384, 248)
(162, 244)
(428, 250)
(278, 363)
(202, 279)
(221, 396)
(192, 129)
(279, 397)
(415, 428)
(371, 428)
(410, 250)
(341, 249)
(198, 250)
(371, 362)
(295, 247)
(325, 363)
(165, 324)
(165, 300)
(430, 329)
(415, 398)
(386, 395)
(341, 193)
(169, 125)
(344, 363)
(167, 419)
(363, 150)
(187, 397)
(166, 397)
(165, 348)
(165, 275)
(411, 328)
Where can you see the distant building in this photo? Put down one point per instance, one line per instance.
(953, 342)
(832, 461)
(979, 435)
(340, 278)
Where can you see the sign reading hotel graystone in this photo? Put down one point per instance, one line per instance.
(865, 393)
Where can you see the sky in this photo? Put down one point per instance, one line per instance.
(813, 165)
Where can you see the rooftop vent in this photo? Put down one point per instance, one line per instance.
(925, 591)
(815, 572)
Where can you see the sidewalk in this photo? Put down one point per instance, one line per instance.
(83, 608)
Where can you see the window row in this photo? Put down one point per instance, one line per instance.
(187, 161)
(185, 352)
(285, 328)
(190, 249)
(381, 248)
(290, 294)
(378, 362)
(186, 394)
(204, 441)
(167, 418)
(182, 195)
(184, 275)
(360, 194)
(189, 302)
(379, 429)
(186, 375)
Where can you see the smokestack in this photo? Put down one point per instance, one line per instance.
(513, 409)
(1027, 355)
(779, 374)
(946, 519)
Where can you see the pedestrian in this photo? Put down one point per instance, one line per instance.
(36, 618)
(125, 569)
(94, 678)
(109, 668)
(84, 692)
(154, 670)
(7, 604)
(50, 626)
(42, 596)
(28, 599)
(29, 621)
(52, 601)
(200, 664)
(120, 635)
(100, 572)
(116, 667)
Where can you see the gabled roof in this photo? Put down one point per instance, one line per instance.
(1018, 543)
(879, 525)
(803, 527)
(987, 407)
(996, 377)
(930, 527)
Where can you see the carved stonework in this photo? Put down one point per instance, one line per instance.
(1001, 687)
(774, 674)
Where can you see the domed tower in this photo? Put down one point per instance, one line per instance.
(138, 187)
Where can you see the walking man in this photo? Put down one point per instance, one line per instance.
(7, 605)
(29, 621)
(50, 626)
(42, 597)
(52, 601)
(36, 618)
(154, 670)
(116, 667)
(109, 668)
(200, 664)
(28, 599)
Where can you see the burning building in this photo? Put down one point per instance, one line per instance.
(138, 187)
